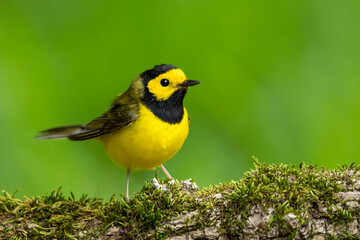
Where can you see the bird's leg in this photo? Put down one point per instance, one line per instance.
(166, 172)
(127, 185)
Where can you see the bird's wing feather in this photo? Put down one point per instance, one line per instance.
(123, 112)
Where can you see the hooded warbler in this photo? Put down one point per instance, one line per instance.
(145, 126)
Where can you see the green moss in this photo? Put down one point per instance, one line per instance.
(283, 188)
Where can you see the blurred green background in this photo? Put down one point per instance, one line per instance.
(281, 81)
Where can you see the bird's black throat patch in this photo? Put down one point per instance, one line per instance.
(170, 110)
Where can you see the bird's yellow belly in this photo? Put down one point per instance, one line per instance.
(146, 143)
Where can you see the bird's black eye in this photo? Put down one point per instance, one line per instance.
(164, 82)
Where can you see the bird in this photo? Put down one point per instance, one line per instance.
(145, 126)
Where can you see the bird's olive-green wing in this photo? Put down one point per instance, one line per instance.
(123, 112)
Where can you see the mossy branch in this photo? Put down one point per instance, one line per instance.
(272, 201)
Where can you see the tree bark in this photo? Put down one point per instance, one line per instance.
(270, 202)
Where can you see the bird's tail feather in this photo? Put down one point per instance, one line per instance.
(60, 132)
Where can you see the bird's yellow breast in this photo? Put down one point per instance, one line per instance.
(146, 143)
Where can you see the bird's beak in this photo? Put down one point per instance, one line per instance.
(188, 83)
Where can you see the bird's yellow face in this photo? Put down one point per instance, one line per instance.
(163, 90)
(164, 85)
